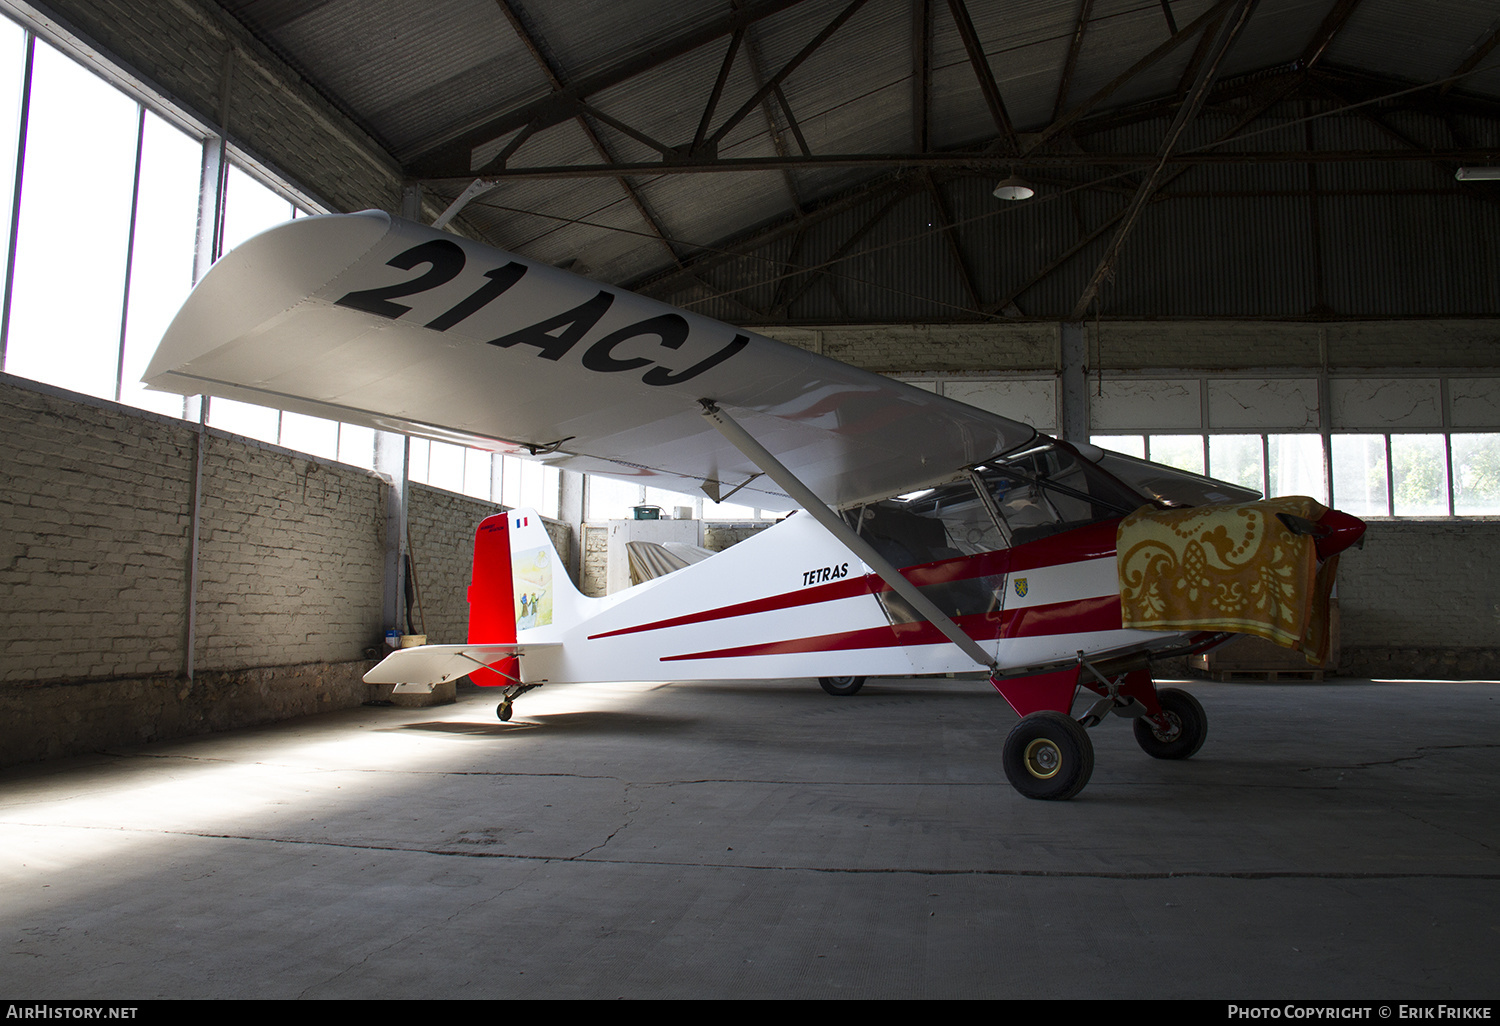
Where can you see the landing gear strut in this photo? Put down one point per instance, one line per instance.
(1185, 729)
(1049, 756)
(510, 694)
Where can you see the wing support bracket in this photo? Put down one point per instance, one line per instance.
(714, 489)
(773, 468)
(546, 448)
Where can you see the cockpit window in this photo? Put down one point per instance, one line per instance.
(1049, 489)
(929, 526)
(1044, 490)
(936, 523)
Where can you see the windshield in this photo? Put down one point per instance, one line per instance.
(1049, 488)
(1168, 485)
(1043, 489)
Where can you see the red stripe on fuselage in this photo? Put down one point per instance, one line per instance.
(1095, 541)
(866, 585)
(1074, 616)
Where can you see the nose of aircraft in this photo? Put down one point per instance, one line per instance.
(1343, 532)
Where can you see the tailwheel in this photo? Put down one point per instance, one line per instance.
(1187, 727)
(1049, 756)
(511, 693)
(841, 685)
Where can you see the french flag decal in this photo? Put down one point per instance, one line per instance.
(522, 522)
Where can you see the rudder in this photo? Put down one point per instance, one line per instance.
(492, 617)
(519, 584)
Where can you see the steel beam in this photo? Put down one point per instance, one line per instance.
(988, 87)
(1228, 32)
(556, 108)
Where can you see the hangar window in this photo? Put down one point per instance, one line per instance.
(615, 500)
(482, 474)
(104, 236)
(1416, 475)
(1476, 474)
(1431, 474)
(73, 225)
(106, 239)
(1417, 445)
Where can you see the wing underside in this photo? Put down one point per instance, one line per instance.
(381, 322)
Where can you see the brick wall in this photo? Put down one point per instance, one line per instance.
(96, 504)
(1421, 600)
(442, 546)
(94, 516)
(595, 560)
(291, 565)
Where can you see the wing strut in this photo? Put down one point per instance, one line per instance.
(738, 437)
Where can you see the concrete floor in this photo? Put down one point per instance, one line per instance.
(767, 840)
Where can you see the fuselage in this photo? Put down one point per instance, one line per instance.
(792, 602)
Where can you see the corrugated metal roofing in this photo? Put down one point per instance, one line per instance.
(1278, 237)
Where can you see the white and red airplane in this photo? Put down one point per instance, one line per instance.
(934, 537)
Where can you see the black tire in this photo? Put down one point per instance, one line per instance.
(841, 685)
(1048, 756)
(503, 711)
(1187, 717)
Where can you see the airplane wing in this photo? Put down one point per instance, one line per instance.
(377, 321)
(433, 664)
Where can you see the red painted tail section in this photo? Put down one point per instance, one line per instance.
(492, 611)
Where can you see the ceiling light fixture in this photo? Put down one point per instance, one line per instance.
(1014, 188)
(1478, 174)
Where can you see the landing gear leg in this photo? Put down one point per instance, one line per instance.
(1049, 756)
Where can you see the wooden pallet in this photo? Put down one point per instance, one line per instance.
(1313, 676)
(1256, 659)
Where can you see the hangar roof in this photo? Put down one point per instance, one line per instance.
(809, 161)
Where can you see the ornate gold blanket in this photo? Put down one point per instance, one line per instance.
(1227, 568)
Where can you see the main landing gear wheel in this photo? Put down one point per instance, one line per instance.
(841, 685)
(1189, 727)
(1048, 755)
(503, 711)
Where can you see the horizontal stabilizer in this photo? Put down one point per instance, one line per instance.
(433, 664)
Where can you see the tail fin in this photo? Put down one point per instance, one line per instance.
(519, 584)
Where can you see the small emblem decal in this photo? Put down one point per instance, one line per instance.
(1021, 587)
